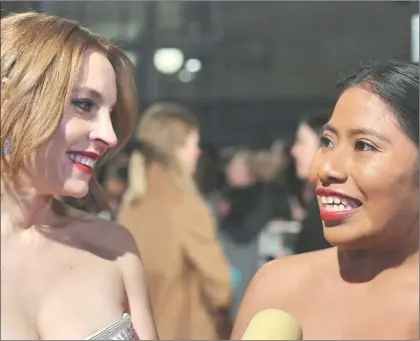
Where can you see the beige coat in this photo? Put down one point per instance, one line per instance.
(188, 275)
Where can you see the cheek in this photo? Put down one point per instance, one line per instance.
(298, 150)
(234, 172)
(73, 131)
(50, 154)
(52, 159)
(293, 151)
(389, 187)
(378, 174)
(195, 153)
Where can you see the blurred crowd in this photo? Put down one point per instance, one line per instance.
(205, 218)
(198, 213)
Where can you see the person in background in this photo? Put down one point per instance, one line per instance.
(311, 237)
(210, 177)
(186, 270)
(114, 180)
(115, 183)
(248, 204)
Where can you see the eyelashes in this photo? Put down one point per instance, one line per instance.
(325, 142)
(360, 145)
(86, 105)
(364, 146)
(83, 104)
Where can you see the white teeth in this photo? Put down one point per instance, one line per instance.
(337, 208)
(332, 203)
(82, 159)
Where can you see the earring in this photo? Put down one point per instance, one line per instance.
(7, 148)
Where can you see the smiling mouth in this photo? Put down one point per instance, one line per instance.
(338, 204)
(335, 208)
(81, 162)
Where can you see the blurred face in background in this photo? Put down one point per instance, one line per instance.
(116, 182)
(239, 173)
(304, 149)
(189, 153)
(115, 189)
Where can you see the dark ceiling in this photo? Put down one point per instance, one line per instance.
(261, 59)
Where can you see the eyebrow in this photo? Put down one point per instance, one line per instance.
(93, 93)
(358, 131)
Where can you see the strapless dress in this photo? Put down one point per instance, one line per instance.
(119, 330)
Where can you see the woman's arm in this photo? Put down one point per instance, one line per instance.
(138, 301)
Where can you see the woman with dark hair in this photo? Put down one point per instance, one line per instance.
(303, 151)
(367, 184)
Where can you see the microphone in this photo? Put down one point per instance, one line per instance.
(273, 324)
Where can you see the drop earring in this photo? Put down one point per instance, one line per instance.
(7, 148)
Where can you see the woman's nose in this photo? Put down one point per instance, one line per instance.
(332, 167)
(103, 132)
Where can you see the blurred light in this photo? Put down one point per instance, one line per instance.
(168, 60)
(415, 38)
(185, 76)
(193, 65)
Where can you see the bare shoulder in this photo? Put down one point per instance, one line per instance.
(284, 275)
(105, 238)
(116, 243)
(277, 285)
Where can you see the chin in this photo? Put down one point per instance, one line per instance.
(76, 188)
(346, 237)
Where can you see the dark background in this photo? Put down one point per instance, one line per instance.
(265, 64)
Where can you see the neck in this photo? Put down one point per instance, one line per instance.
(365, 264)
(22, 208)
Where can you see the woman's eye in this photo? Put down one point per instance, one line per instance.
(325, 142)
(83, 104)
(363, 146)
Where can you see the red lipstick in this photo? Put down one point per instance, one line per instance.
(90, 155)
(333, 211)
(82, 167)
